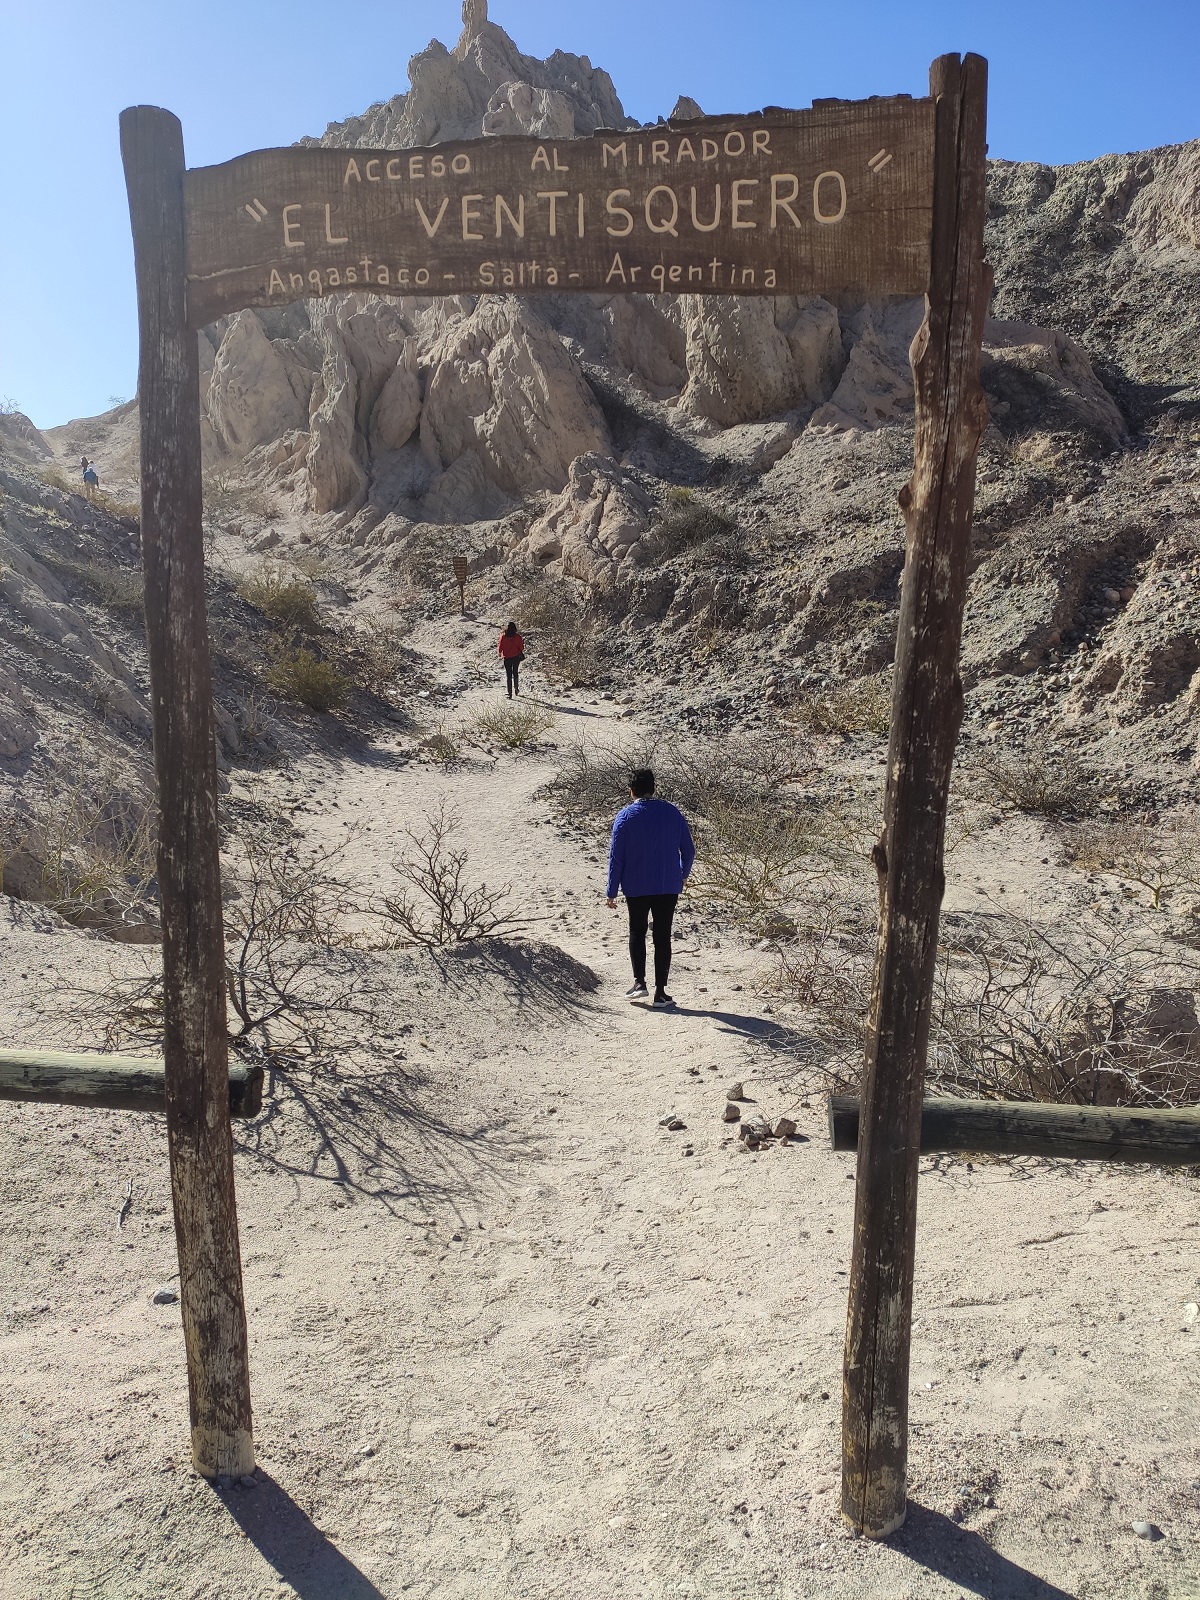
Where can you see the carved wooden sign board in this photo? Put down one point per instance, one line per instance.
(833, 200)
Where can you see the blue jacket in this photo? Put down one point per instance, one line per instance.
(651, 851)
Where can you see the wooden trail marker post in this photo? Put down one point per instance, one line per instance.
(460, 578)
(855, 199)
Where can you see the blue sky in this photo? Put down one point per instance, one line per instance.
(1069, 79)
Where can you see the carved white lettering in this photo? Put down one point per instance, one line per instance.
(738, 202)
(517, 223)
(275, 281)
(614, 150)
(829, 216)
(708, 150)
(421, 276)
(416, 166)
(376, 176)
(760, 141)
(619, 211)
(437, 166)
(540, 159)
(559, 166)
(617, 270)
(330, 237)
(431, 227)
(665, 223)
(686, 152)
(470, 213)
(660, 150)
(554, 196)
(735, 143)
(352, 172)
(393, 177)
(288, 228)
(296, 279)
(708, 227)
(781, 201)
(461, 163)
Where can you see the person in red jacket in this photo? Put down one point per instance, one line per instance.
(512, 652)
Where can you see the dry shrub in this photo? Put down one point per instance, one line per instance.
(123, 510)
(289, 971)
(863, 705)
(301, 675)
(377, 654)
(226, 497)
(512, 727)
(757, 858)
(119, 589)
(281, 596)
(436, 905)
(1159, 855)
(563, 642)
(1079, 1014)
(689, 524)
(442, 747)
(1047, 783)
(85, 846)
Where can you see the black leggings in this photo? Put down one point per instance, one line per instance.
(641, 908)
(512, 671)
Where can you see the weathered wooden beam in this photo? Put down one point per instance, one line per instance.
(1022, 1128)
(926, 712)
(195, 1044)
(111, 1083)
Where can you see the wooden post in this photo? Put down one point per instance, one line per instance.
(926, 713)
(195, 1045)
(460, 577)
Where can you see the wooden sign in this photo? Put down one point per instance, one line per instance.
(834, 200)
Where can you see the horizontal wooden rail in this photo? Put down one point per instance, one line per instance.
(114, 1083)
(1021, 1128)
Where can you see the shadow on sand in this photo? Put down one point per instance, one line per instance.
(286, 1538)
(964, 1557)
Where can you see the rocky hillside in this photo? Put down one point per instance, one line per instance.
(697, 496)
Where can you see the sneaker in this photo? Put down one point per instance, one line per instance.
(662, 998)
(638, 992)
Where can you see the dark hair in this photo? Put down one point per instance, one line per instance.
(511, 629)
(641, 781)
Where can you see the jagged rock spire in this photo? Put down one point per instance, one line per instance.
(474, 15)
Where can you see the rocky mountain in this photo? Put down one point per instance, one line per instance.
(706, 488)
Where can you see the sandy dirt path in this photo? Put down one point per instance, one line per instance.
(511, 1338)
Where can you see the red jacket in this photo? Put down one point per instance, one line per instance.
(511, 645)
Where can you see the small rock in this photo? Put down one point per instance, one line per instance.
(248, 1480)
(735, 1091)
(1191, 1311)
(674, 1122)
(785, 1128)
(164, 1297)
(1147, 1530)
(731, 1113)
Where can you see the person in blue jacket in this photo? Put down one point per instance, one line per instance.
(649, 861)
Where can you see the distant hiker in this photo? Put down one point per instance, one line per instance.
(90, 477)
(511, 650)
(649, 861)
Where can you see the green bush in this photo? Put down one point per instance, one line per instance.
(303, 676)
(282, 597)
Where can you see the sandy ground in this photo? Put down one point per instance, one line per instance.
(511, 1336)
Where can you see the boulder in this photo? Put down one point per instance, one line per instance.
(336, 475)
(876, 385)
(397, 411)
(249, 399)
(748, 358)
(594, 527)
(520, 108)
(503, 384)
(1049, 381)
